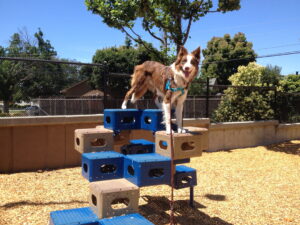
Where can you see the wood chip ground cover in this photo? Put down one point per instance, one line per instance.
(258, 185)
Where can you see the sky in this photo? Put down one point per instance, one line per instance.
(273, 26)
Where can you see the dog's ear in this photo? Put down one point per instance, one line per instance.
(196, 53)
(181, 53)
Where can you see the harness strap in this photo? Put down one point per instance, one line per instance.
(168, 87)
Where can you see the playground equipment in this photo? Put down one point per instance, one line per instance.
(116, 176)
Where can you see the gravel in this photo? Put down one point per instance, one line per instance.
(259, 185)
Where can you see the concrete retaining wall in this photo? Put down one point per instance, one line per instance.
(34, 143)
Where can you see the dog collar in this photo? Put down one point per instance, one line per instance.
(168, 87)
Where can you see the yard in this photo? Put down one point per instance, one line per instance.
(258, 185)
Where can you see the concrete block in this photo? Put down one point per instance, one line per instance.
(190, 144)
(111, 198)
(269, 132)
(230, 138)
(216, 139)
(258, 135)
(93, 140)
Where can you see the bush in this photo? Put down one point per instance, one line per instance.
(246, 104)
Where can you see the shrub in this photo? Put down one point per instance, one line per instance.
(242, 103)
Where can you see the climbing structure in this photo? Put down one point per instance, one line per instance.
(116, 175)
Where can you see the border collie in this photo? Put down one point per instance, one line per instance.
(171, 83)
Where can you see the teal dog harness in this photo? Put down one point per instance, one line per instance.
(168, 87)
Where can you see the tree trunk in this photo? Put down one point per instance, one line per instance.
(6, 106)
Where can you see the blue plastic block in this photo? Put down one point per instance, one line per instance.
(138, 146)
(152, 120)
(82, 216)
(98, 166)
(130, 219)
(180, 161)
(147, 169)
(185, 177)
(122, 119)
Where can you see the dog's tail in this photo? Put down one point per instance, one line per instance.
(138, 86)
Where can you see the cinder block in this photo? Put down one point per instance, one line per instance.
(93, 140)
(80, 216)
(122, 119)
(111, 198)
(187, 145)
(139, 146)
(98, 166)
(185, 177)
(147, 169)
(131, 219)
(152, 119)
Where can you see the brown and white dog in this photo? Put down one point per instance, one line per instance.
(171, 83)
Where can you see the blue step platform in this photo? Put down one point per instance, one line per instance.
(80, 216)
(122, 119)
(147, 169)
(184, 177)
(130, 219)
(98, 166)
(152, 119)
(138, 146)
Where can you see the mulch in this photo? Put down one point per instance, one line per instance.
(259, 185)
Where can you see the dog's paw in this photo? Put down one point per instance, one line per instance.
(124, 106)
(181, 131)
(168, 131)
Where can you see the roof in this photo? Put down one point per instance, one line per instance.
(93, 93)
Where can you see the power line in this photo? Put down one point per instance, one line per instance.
(279, 46)
(48, 61)
(98, 64)
(257, 57)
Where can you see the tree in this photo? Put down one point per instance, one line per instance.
(22, 80)
(12, 72)
(244, 104)
(289, 98)
(118, 60)
(290, 83)
(167, 21)
(224, 55)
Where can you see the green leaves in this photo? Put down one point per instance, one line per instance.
(167, 16)
(224, 55)
(246, 104)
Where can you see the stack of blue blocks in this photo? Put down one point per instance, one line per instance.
(139, 164)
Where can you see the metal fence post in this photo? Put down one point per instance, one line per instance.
(207, 98)
(105, 73)
(277, 113)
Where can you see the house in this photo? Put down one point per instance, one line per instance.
(81, 89)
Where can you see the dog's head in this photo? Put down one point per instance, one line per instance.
(187, 64)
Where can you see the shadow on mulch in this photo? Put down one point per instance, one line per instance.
(215, 197)
(23, 203)
(287, 147)
(155, 209)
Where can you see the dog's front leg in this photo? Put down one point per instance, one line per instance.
(167, 111)
(179, 112)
